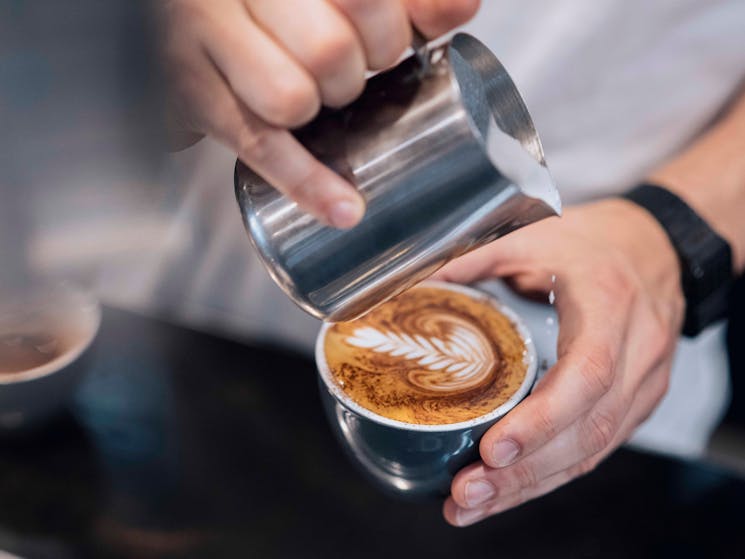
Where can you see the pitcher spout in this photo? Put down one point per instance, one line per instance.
(525, 165)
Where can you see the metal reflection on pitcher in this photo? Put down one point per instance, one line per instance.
(447, 161)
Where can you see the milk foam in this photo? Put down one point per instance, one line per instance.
(460, 360)
(430, 356)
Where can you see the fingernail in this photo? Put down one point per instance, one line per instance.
(465, 517)
(504, 453)
(479, 491)
(345, 214)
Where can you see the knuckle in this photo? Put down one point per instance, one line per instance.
(304, 190)
(616, 280)
(545, 423)
(598, 370)
(599, 431)
(384, 42)
(445, 15)
(388, 54)
(659, 337)
(187, 15)
(656, 392)
(662, 337)
(463, 10)
(290, 103)
(193, 100)
(662, 346)
(329, 53)
(355, 6)
(525, 475)
(225, 121)
(661, 387)
(385, 51)
(255, 145)
(584, 468)
(339, 97)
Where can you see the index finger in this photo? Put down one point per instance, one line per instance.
(591, 336)
(281, 160)
(277, 156)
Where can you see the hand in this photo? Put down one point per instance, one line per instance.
(620, 307)
(246, 71)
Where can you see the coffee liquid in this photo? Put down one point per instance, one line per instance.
(430, 356)
(23, 351)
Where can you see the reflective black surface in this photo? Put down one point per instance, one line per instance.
(186, 445)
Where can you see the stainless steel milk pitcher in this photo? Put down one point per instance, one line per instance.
(445, 155)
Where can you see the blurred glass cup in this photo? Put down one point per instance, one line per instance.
(406, 459)
(46, 336)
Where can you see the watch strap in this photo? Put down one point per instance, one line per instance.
(705, 257)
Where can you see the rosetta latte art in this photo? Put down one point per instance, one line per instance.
(459, 358)
(430, 356)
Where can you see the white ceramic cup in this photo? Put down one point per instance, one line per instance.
(31, 396)
(408, 459)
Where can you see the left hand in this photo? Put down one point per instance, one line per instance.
(620, 307)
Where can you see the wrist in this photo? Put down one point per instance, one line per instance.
(710, 177)
(722, 213)
(705, 257)
(645, 242)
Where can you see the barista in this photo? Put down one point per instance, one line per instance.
(629, 278)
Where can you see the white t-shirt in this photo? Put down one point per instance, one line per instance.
(615, 87)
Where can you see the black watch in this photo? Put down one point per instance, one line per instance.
(705, 257)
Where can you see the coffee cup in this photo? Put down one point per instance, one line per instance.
(414, 438)
(46, 336)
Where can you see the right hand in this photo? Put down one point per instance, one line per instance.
(246, 71)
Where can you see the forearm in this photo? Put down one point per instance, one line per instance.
(710, 176)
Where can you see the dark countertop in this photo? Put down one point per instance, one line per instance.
(182, 444)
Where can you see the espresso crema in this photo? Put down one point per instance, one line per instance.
(430, 356)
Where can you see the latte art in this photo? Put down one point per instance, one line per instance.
(460, 360)
(432, 355)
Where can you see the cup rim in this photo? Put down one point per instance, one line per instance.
(92, 308)
(531, 359)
